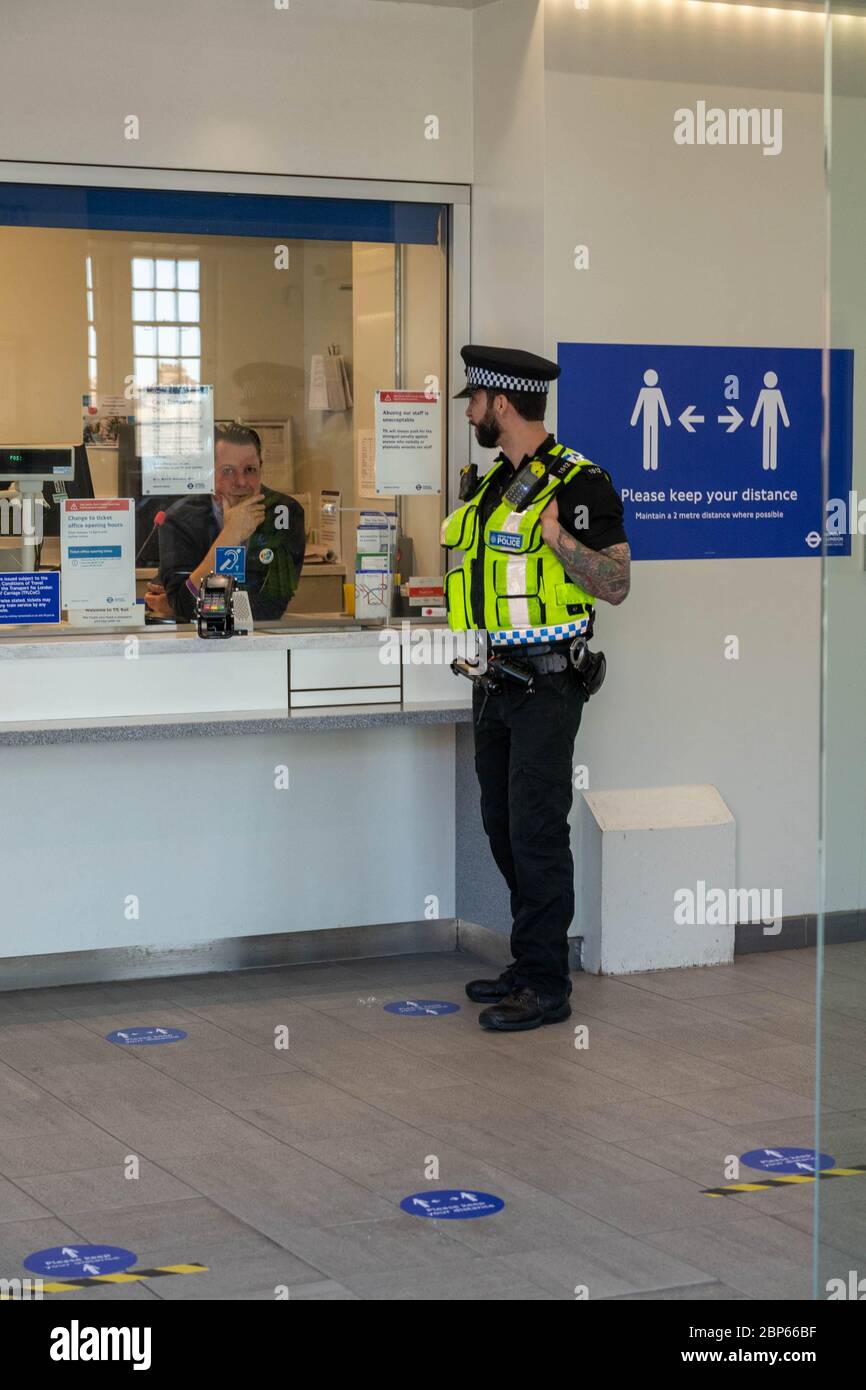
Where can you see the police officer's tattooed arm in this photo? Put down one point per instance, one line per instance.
(603, 573)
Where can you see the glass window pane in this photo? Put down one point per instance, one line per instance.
(187, 304)
(190, 342)
(165, 275)
(842, 856)
(144, 340)
(187, 275)
(166, 306)
(145, 371)
(168, 340)
(151, 307)
(142, 304)
(142, 273)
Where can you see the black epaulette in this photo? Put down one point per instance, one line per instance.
(561, 464)
(591, 470)
(559, 468)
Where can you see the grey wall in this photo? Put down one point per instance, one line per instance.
(687, 245)
(508, 191)
(327, 87)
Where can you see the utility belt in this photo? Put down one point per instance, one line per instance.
(503, 665)
(544, 659)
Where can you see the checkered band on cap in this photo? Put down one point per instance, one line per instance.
(483, 376)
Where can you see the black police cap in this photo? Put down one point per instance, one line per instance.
(505, 369)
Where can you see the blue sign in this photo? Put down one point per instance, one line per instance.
(452, 1206)
(232, 559)
(78, 1261)
(715, 451)
(94, 552)
(30, 598)
(139, 1037)
(787, 1160)
(420, 1008)
(504, 540)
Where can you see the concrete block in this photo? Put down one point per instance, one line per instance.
(649, 858)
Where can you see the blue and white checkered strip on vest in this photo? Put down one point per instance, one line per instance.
(526, 636)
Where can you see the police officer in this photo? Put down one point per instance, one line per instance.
(542, 541)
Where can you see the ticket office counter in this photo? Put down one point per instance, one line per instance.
(166, 795)
(165, 792)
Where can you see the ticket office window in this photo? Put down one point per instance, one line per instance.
(294, 310)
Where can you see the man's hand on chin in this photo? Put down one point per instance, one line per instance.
(242, 519)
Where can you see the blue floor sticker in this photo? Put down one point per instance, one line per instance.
(419, 1008)
(136, 1037)
(452, 1205)
(80, 1261)
(787, 1160)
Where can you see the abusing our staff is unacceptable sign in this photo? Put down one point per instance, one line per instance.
(715, 451)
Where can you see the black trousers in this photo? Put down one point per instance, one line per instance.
(524, 745)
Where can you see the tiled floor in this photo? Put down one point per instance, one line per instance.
(285, 1168)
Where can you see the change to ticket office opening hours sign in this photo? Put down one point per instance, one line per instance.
(97, 552)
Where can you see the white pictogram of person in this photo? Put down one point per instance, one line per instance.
(769, 406)
(649, 402)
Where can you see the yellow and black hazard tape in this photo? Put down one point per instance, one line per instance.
(790, 1181)
(131, 1276)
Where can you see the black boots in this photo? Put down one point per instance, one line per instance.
(491, 991)
(525, 1009)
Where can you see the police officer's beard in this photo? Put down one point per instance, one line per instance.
(488, 431)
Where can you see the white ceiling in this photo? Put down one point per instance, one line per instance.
(448, 4)
(707, 41)
(857, 7)
(837, 6)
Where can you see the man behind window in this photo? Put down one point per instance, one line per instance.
(241, 512)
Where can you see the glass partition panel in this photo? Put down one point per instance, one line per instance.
(840, 1204)
(152, 332)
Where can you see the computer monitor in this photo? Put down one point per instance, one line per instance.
(31, 463)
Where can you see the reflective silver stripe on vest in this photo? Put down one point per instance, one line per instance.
(515, 578)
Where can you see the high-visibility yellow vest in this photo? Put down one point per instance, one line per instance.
(527, 595)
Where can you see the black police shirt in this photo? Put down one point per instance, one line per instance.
(591, 489)
(597, 528)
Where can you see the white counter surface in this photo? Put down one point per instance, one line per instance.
(185, 641)
(103, 687)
